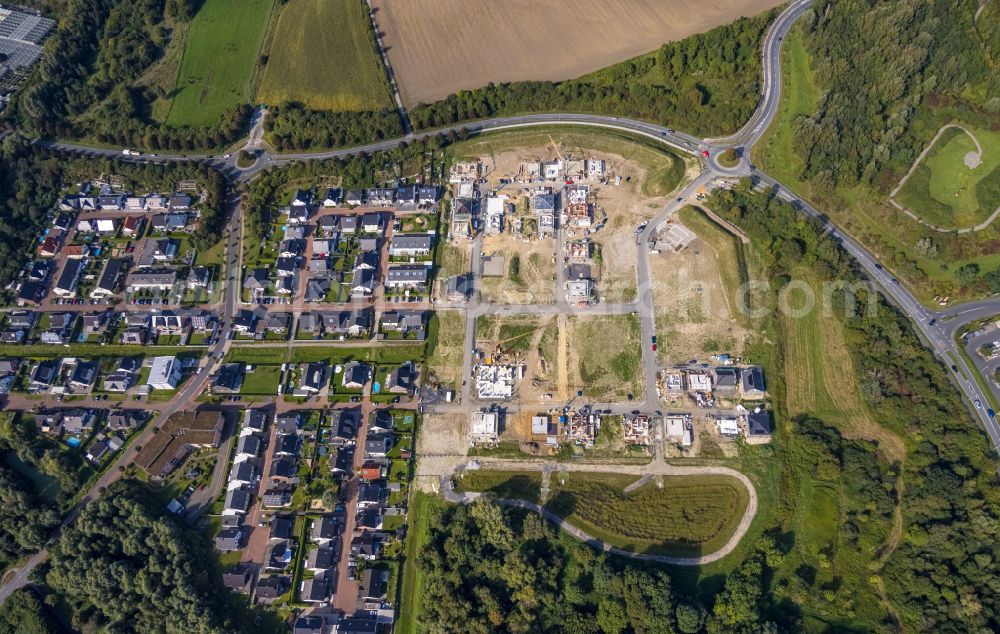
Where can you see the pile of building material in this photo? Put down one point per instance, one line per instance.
(495, 381)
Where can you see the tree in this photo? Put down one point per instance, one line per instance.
(967, 273)
(690, 618)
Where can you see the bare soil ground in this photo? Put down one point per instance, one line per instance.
(536, 278)
(603, 357)
(439, 47)
(694, 315)
(442, 440)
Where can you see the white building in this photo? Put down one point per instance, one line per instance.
(485, 426)
(165, 373)
(699, 382)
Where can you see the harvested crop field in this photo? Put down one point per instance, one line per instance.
(439, 47)
(689, 515)
(324, 55)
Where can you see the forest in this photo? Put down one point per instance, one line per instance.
(81, 86)
(941, 576)
(38, 480)
(127, 565)
(706, 84)
(31, 178)
(489, 569)
(879, 64)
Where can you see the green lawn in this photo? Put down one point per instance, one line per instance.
(946, 193)
(222, 47)
(324, 55)
(263, 380)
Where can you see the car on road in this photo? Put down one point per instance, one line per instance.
(932, 322)
(979, 404)
(990, 413)
(704, 153)
(654, 347)
(654, 338)
(954, 368)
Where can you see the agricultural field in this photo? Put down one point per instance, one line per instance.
(522, 485)
(444, 361)
(324, 55)
(689, 515)
(946, 192)
(221, 52)
(696, 293)
(431, 59)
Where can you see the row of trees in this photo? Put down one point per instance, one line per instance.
(941, 576)
(876, 61)
(487, 569)
(707, 84)
(82, 85)
(31, 178)
(294, 126)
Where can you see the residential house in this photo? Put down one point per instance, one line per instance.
(381, 197)
(402, 380)
(371, 223)
(314, 377)
(288, 423)
(356, 374)
(69, 279)
(459, 287)
(377, 445)
(255, 280)
(245, 321)
(319, 559)
(247, 447)
(237, 502)
(406, 196)
(270, 589)
(427, 195)
(132, 226)
(83, 376)
(410, 276)
(332, 196)
(362, 282)
(228, 540)
(317, 589)
(404, 322)
(281, 528)
(229, 379)
(44, 375)
(277, 322)
(238, 580)
(343, 426)
(381, 422)
(411, 244)
(310, 624)
(78, 422)
(366, 546)
(125, 420)
(287, 445)
(157, 251)
(107, 281)
(242, 474)
(354, 197)
(179, 201)
(324, 529)
(151, 279)
(124, 375)
(165, 373)
(752, 386)
(254, 422)
(758, 426)
(372, 494)
(727, 380)
(278, 556)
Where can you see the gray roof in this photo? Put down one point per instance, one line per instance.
(411, 242)
(414, 273)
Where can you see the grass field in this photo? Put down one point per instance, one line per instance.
(512, 332)
(609, 360)
(946, 193)
(821, 381)
(220, 54)
(777, 149)
(444, 360)
(324, 55)
(521, 485)
(690, 515)
(422, 506)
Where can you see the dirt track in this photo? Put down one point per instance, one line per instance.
(441, 46)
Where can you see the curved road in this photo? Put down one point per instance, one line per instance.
(937, 336)
(657, 467)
